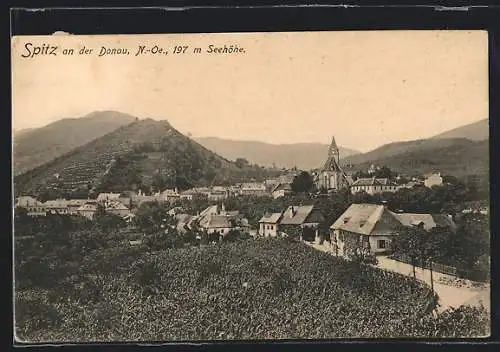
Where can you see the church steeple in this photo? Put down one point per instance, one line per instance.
(334, 150)
(332, 162)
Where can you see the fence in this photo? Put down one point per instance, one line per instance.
(437, 267)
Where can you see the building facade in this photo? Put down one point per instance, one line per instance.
(331, 177)
(374, 185)
(433, 180)
(268, 224)
(370, 228)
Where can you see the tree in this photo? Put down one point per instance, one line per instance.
(385, 172)
(471, 241)
(160, 182)
(408, 243)
(235, 236)
(108, 222)
(360, 174)
(241, 162)
(302, 183)
(151, 217)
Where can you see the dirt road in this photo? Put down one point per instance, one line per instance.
(451, 291)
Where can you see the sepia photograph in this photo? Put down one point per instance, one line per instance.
(317, 185)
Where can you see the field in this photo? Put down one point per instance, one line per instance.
(255, 289)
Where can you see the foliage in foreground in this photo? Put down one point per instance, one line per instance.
(266, 289)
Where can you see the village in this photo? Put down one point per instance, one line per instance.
(372, 225)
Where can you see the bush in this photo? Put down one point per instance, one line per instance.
(235, 236)
(34, 314)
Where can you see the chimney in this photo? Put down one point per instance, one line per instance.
(292, 212)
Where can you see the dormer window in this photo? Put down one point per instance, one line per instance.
(346, 219)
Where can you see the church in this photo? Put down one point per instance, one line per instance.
(331, 177)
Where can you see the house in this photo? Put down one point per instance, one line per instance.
(174, 211)
(102, 197)
(137, 200)
(170, 195)
(216, 195)
(117, 208)
(215, 219)
(411, 184)
(26, 201)
(268, 224)
(299, 219)
(74, 204)
(183, 222)
(371, 228)
(331, 177)
(374, 185)
(88, 210)
(213, 223)
(187, 195)
(127, 201)
(33, 206)
(434, 179)
(281, 190)
(58, 206)
(270, 183)
(372, 169)
(129, 219)
(253, 189)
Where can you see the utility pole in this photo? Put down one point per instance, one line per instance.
(430, 268)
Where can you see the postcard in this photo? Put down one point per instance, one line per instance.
(251, 186)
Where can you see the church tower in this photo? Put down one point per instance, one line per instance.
(331, 177)
(333, 159)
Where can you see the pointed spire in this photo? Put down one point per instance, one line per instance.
(333, 147)
(331, 163)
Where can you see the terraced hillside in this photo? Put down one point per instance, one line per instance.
(36, 146)
(129, 158)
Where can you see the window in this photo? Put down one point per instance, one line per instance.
(272, 227)
(382, 244)
(222, 231)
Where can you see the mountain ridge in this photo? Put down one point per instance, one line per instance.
(288, 155)
(476, 131)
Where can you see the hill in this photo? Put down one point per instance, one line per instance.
(36, 146)
(397, 148)
(458, 157)
(144, 154)
(302, 155)
(477, 131)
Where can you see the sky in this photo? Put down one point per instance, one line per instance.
(367, 88)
